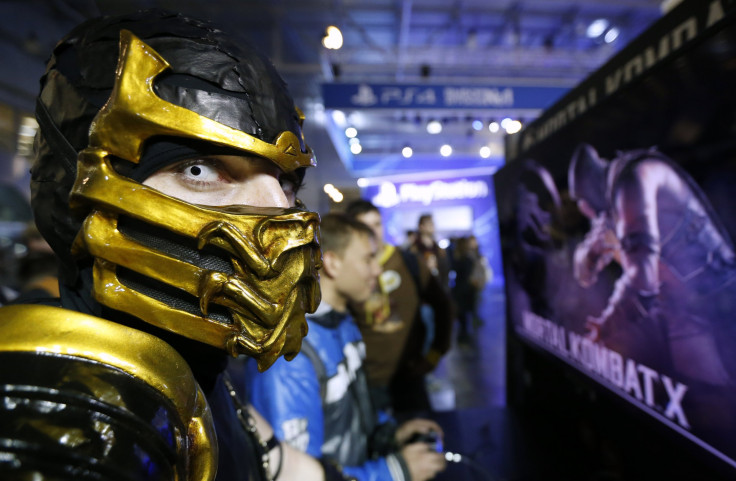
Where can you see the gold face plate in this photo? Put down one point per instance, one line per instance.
(274, 252)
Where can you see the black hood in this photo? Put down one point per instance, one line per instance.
(230, 83)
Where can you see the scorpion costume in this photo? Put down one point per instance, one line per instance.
(122, 377)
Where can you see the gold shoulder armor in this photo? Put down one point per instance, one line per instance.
(100, 395)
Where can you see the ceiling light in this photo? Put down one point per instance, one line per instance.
(434, 127)
(338, 116)
(333, 38)
(477, 124)
(407, 152)
(356, 148)
(493, 127)
(611, 35)
(354, 140)
(446, 150)
(333, 192)
(505, 123)
(596, 28)
(513, 127)
(485, 151)
(363, 182)
(351, 132)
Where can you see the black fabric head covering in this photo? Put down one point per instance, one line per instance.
(587, 177)
(230, 83)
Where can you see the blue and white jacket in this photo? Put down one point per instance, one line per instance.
(320, 403)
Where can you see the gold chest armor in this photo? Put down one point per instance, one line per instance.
(82, 394)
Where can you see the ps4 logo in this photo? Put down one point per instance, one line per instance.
(394, 95)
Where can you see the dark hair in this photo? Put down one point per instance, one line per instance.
(462, 246)
(360, 207)
(423, 218)
(337, 230)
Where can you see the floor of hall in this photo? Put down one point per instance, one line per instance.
(472, 375)
(468, 394)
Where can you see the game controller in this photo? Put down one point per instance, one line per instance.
(432, 438)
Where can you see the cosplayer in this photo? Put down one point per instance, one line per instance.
(674, 297)
(320, 403)
(167, 163)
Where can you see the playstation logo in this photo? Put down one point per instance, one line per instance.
(365, 96)
(387, 195)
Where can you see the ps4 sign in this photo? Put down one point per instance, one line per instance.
(376, 96)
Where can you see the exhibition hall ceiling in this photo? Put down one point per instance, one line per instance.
(399, 48)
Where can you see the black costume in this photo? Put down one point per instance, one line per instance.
(122, 377)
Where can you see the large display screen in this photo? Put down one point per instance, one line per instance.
(617, 211)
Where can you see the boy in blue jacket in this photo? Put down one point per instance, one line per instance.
(319, 402)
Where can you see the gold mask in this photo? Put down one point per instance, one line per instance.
(269, 278)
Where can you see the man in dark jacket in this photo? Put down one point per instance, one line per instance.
(394, 334)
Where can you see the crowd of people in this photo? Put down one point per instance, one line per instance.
(165, 185)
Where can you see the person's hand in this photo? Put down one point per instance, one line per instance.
(295, 465)
(423, 461)
(413, 426)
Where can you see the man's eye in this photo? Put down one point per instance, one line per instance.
(200, 172)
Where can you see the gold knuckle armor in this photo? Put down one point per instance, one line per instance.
(253, 298)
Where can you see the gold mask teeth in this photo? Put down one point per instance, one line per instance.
(232, 345)
(238, 344)
(238, 267)
(212, 285)
(219, 233)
